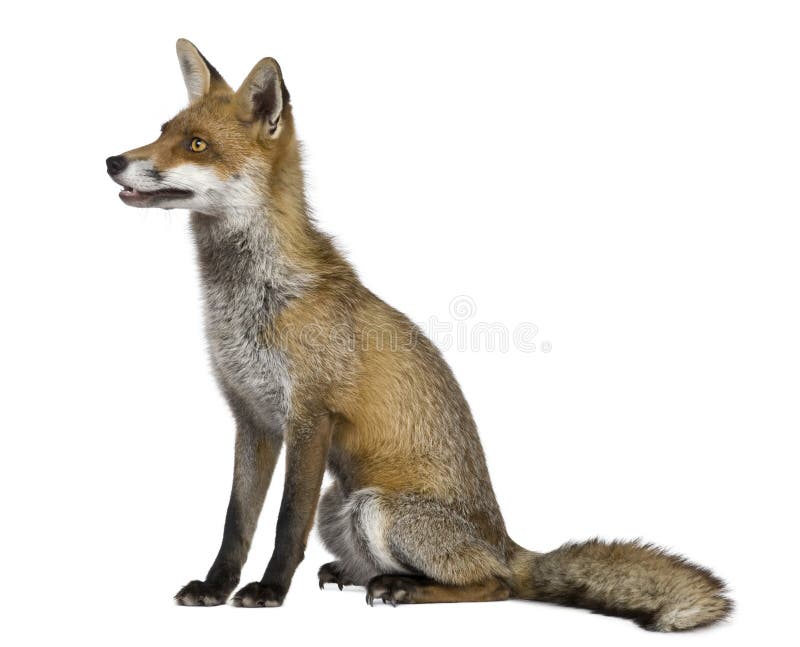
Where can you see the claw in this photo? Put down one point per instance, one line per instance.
(370, 599)
(321, 585)
(341, 587)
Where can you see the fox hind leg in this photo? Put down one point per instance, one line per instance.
(411, 589)
(405, 549)
(423, 551)
(334, 573)
(434, 540)
(340, 536)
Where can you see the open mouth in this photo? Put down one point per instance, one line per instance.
(134, 196)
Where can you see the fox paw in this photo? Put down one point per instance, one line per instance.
(202, 594)
(391, 589)
(257, 594)
(332, 573)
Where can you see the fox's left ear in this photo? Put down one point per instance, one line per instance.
(199, 75)
(263, 96)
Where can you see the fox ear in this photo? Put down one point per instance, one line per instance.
(198, 74)
(263, 96)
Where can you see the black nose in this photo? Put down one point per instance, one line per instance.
(116, 164)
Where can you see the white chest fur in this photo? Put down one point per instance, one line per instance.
(245, 286)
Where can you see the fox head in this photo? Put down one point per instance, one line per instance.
(218, 155)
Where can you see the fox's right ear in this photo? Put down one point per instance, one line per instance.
(263, 96)
(199, 75)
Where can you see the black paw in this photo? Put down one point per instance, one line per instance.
(332, 573)
(257, 594)
(202, 594)
(391, 589)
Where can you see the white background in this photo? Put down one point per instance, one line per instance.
(621, 174)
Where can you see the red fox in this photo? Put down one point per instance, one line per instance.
(299, 348)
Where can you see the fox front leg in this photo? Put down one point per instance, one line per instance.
(257, 451)
(307, 444)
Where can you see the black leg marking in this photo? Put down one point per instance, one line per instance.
(257, 594)
(306, 453)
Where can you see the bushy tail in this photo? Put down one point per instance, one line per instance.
(659, 591)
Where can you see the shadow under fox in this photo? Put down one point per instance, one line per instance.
(310, 360)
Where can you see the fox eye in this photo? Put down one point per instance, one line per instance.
(198, 145)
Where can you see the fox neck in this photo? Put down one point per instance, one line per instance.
(271, 251)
